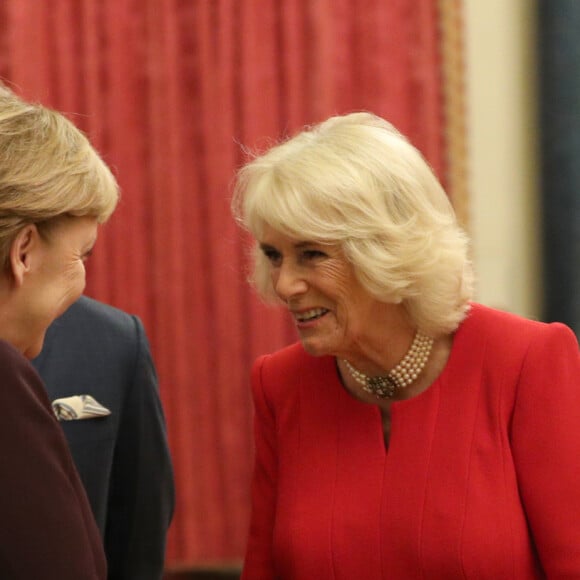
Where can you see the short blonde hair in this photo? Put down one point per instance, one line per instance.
(48, 170)
(354, 180)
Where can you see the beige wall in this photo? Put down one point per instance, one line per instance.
(502, 143)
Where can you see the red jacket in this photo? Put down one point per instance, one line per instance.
(481, 479)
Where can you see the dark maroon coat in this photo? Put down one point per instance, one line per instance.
(47, 529)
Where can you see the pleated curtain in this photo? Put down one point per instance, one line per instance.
(172, 92)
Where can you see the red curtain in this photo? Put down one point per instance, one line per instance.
(168, 91)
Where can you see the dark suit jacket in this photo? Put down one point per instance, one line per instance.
(123, 459)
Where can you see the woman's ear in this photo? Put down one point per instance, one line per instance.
(21, 251)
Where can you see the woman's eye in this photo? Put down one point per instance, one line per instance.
(313, 254)
(272, 256)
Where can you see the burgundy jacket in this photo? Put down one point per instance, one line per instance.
(47, 529)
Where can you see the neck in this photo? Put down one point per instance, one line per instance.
(401, 376)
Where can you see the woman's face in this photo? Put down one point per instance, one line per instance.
(55, 278)
(333, 312)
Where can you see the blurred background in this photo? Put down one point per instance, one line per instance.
(174, 92)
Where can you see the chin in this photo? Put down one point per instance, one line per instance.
(33, 350)
(314, 349)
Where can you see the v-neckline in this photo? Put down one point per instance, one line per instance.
(373, 411)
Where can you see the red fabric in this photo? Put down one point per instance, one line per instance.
(169, 91)
(491, 445)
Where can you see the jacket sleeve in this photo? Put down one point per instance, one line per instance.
(546, 448)
(48, 530)
(258, 564)
(141, 497)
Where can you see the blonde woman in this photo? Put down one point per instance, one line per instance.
(54, 192)
(410, 433)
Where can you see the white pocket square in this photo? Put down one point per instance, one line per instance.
(78, 407)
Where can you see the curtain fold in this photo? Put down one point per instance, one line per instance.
(171, 92)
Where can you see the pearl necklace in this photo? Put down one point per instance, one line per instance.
(403, 375)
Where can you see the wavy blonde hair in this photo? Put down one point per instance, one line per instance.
(356, 181)
(48, 170)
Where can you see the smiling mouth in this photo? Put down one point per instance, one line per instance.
(310, 315)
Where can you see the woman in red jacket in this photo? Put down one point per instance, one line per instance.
(54, 192)
(411, 433)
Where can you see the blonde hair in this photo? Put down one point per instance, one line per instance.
(356, 181)
(48, 170)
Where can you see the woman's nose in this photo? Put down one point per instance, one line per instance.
(288, 281)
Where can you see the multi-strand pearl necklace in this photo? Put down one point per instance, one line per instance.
(403, 375)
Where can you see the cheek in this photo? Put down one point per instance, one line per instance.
(344, 293)
(76, 281)
(353, 305)
(81, 280)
